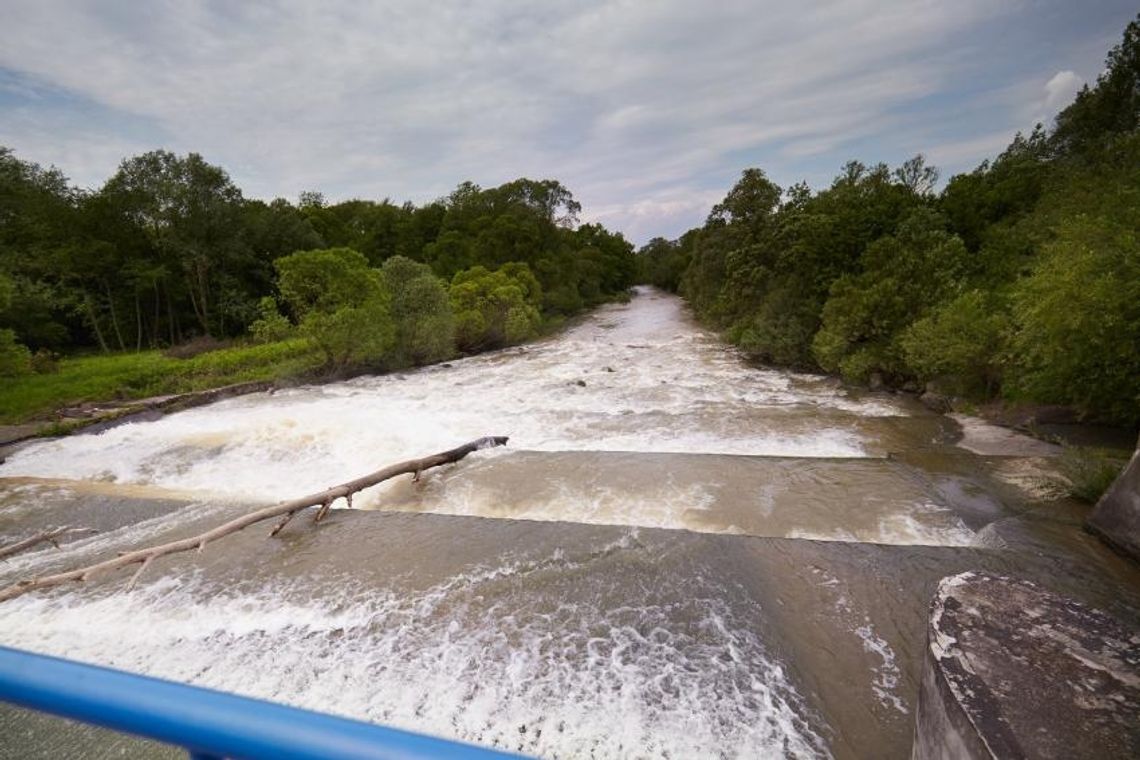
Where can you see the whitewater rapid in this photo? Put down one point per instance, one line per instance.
(595, 589)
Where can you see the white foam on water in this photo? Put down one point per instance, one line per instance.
(465, 659)
(926, 524)
(920, 524)
(886, 675)
(673, 388)
(478, 658)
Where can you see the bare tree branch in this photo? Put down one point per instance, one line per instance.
(324, 500)
(50, 535)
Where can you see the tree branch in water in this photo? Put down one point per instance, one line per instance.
(286, 510)
(51, 536)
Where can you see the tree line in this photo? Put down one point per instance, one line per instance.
(169, 250)
(1020, 279)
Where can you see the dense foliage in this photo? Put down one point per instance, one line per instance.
(169, 250)
(1020, 279)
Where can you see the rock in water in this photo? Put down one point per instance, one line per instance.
(1014, 671)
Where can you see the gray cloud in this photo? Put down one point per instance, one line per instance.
(647, 111)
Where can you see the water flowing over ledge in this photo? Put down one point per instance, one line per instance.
(529, 598)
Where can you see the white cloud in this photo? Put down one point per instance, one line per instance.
(639, 108)
(1061, 89)
(960, 153)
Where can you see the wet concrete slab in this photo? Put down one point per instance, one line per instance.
(987, 439)
(1014, 671)
(1116, 518)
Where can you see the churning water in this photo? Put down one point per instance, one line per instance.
(678, 555)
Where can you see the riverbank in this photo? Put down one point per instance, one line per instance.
(662, 508)
(80, 384)
(107, 389)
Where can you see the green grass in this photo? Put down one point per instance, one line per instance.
(1089, 471)
(148, 373)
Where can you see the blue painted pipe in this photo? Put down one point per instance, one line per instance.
(209, 724)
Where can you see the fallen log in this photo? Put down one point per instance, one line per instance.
(49, 536)
(286, 510)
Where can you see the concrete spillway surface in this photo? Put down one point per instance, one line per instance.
(1014, 671)
(684, 557)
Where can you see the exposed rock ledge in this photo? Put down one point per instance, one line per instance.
(1013, 671)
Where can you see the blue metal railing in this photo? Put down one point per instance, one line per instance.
(208, 724)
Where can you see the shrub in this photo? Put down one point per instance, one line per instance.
(15, 358)
(341, 303)
(421, 312)
(1088, 472)
(497, 308)
(271, 325)
(45, 362)
(962, 339)
(1077, 316)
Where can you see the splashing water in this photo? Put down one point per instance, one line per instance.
(569, 641)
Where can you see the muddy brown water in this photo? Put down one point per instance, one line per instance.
(683, 557)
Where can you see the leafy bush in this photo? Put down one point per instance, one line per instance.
(1077, 316)
(782, 328)
(341, 303)
(15, 358)
(45, 362)
(497, 308)
(421, 311)
(903, 277)
(960, 342)
(271, 325)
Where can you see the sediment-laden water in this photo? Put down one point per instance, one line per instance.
(679, 555)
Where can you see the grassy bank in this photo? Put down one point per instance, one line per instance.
(149, 373)
(137, 375)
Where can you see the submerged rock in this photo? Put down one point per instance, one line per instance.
(1014, 671)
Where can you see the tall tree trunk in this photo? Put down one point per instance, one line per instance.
(114, 318)
(197, 304)
(204, 289)
(95, 322)
(157, 316)
(170, 316)
(138, 322)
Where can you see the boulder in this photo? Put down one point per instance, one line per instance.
(1013, 671)
(935, 402)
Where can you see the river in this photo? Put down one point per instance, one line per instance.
(678, 555)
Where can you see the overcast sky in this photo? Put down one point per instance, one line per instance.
(647, 111)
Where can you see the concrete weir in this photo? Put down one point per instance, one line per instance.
(1014, 671)
(1116, 517)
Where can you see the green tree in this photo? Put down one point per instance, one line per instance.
(1109, 109)
(421, 312)
(662, 263)
(340, 303)
(903, 276)
(494, 309)
(962, 342)
(1077, 317)
(15, 358)
(190, 212)
(270, 325)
